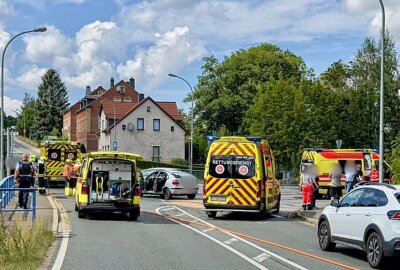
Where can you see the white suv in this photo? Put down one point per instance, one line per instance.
(368, 218)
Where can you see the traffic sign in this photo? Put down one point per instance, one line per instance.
(338, 143)
(115, 146)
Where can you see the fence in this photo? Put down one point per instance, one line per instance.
(7, 193)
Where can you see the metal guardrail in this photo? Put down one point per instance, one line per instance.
(7, 193)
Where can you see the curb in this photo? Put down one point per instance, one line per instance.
(61, 228)
(305, 220)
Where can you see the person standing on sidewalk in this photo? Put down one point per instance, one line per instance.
(306, 183)
(40, 175)
(67, 176)
(23, 175)
(336, 187)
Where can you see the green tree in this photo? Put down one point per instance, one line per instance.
(26, 117)
(226, 90)
(51, 103)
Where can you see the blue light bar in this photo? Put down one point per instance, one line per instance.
(254, 139)
(376, 150)
(319, 150)
(211, 138)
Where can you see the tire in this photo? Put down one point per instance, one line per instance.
(374, 250)
(81, 214)
(191, 196)
(167, 195)
(324, 237)
(131, 216)
(278, 206)
(211, 214)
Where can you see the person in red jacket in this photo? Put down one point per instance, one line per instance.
(374, 174)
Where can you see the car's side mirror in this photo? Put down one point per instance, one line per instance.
(334, 203)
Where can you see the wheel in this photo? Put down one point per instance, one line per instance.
(167, 194)
(211, 214)
(191, 196)
(81, 214)
(324, 237)
(131, 216)
(374, 250)
(278, 206)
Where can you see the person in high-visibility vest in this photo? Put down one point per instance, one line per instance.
(40, 175)
(76, 168)
(67, 176)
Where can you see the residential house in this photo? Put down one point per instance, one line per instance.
(86, 116)
(151, 129)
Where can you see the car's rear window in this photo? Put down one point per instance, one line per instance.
(397, 195)
(236, 167)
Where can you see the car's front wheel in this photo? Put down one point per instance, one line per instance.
(324, 237)
(374, 250)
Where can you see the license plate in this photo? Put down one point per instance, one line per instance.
(218, 198)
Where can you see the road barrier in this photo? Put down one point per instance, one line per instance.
(7, 193)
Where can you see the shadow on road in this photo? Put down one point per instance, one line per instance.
(242, 216)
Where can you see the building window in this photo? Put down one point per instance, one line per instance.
(156, 154)
(121, 89)
(140, 124)
(156, 124)
(123, 127)
(148, 109)
(172, 128)
(118, 99)
(127, 99)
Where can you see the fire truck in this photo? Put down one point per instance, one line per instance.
(54, 154)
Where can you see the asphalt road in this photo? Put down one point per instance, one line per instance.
(155, 241)
(177, 234)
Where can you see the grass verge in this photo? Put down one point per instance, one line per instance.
(22, 246)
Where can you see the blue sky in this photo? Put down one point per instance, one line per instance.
(90, 41)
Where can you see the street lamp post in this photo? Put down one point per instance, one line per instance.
(115, 128)
(381, 111)
(39, 29)
(191, 124)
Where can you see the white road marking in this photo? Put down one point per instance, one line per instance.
(230, 241)
(272, 254)
(263, 222)
(179, 215)
(61, 252)
(169, 208)
(241, 255)
(277, 216)
(261, 257)
(208, 230)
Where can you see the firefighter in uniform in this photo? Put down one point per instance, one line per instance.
(74, 175)
(23, 175)
(40, 175)
(67, 175)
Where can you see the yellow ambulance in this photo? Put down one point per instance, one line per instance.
(325, 160)
(240, 175)
(108, 182)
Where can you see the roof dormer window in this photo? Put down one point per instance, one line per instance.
(118, 99)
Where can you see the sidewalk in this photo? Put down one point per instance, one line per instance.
(44, 212)
(308, 216)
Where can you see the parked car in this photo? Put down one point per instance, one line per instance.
(168, 182)
(368, 217)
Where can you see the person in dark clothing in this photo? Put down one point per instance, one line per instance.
(23, 175)
(315, 192)
(41, 169)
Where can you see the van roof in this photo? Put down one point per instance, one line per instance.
(114, 154)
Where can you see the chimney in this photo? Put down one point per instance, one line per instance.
(88, 90)
(132, 83)
(112, 82)
(141, 97)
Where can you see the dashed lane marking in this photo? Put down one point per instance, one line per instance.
(261, 257)
(230, 241)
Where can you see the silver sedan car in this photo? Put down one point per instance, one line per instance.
(168, 182)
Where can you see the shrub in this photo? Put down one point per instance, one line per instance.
(179, 161)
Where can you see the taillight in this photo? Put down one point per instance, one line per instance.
(137, 191)
(394, 215)
(84, 189)
(175, 182)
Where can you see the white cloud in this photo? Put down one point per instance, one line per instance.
(30, 79)
(171, 52)
(6, 10)
(10, 105)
